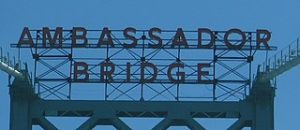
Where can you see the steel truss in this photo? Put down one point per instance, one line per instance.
(230, 92)
(255, 111)
(229, 78)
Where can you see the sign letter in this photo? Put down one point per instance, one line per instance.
(155, 37)
(229, 44)
(264, 40)
(130, 37)
(179, 39)
(212, 38)
(202, 73)
(105, 40)
(180, 75)
(25, 41)
(107, 73)
(76, 37)
(154, 74)
(128, 65)
(52, 41)
(81, 68)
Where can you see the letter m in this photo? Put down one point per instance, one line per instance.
(56, 40)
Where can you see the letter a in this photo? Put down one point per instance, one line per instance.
(25, 41)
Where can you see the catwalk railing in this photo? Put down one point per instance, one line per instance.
(282, 61)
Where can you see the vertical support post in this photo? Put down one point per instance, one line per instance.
(214, 73)
(281, 60)
(8, 60)
(297, 47)
(106, 82)
(269, 65)
(250, 66)
(267, 61)
(70, 57)
(289, 53)
(275, 62)
(36, 60)
(19, 60)
(1, 55)
(178, 61)
(14, 63)
(144, 60)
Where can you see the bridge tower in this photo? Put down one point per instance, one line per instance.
(250, 102)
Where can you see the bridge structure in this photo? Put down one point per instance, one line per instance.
(232, 94)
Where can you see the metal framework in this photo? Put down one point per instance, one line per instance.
(232, 96)
(27, 109)
(229, 72)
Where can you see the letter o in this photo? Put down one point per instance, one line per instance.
(230, 45)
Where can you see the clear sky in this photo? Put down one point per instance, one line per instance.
(279, 16)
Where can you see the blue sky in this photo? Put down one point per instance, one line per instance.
(279, 16)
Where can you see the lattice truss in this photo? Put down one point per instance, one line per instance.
(228, 78)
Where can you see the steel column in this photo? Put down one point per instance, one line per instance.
(263, 97)
(21, 98)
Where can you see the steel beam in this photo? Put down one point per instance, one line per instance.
(194, 125)
(256, 111)
(44, 123)
(94, 121)
(197, 109)
(238, 125)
